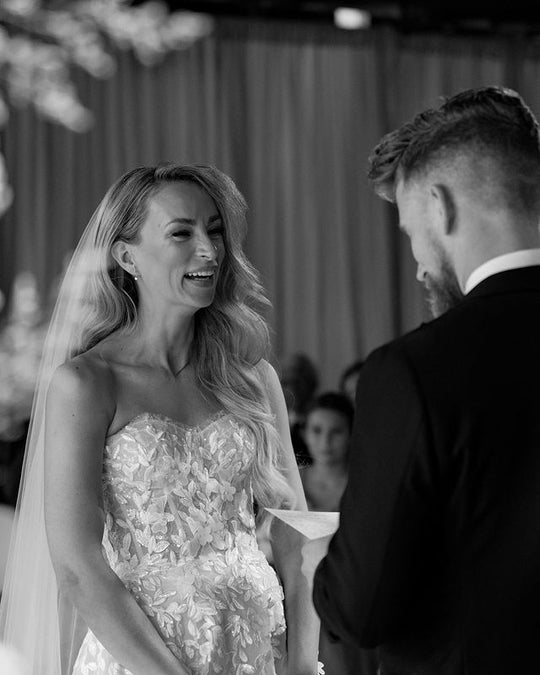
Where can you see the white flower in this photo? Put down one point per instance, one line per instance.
(46, 39)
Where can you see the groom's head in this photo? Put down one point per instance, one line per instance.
(466, 180)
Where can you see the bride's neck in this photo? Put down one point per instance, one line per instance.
(167, 344)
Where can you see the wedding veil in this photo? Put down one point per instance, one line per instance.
(35, 619)
(95, 298)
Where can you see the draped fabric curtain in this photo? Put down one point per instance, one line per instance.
(291, 112)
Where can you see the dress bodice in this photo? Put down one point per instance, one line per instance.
(180, 533)
(174, 492)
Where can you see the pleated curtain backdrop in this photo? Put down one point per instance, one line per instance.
(291, 112)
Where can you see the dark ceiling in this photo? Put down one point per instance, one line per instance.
(408, 15)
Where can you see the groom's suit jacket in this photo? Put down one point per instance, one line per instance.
(437, 558)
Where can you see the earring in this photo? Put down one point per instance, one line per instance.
(137, 276)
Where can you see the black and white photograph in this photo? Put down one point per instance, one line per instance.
(269, 337)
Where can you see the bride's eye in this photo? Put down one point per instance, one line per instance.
(216, 231)
(181, 234)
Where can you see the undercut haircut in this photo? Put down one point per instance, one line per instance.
(491, 123)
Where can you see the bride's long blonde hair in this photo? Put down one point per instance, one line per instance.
(230, 337)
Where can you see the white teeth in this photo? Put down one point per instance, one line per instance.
(201, 275)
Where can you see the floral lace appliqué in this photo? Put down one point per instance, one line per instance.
(180, 534)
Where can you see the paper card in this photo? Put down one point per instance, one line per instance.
(312, 524)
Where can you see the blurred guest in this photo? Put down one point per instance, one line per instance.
(299, 380)
(11, 461)
(22, 333)
(349, 379)
(327, 431)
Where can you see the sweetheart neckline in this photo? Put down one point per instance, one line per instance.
(220, 414)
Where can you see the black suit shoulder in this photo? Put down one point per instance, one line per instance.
(499, 301)
(488, 339)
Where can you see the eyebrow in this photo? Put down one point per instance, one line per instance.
(191, 221)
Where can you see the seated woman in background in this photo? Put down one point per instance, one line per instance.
(327, 431)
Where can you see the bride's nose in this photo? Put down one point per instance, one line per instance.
(206, 248)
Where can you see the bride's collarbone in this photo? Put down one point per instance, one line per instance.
(126, 366)
(139, 389)
(130, 377)
(182, 402)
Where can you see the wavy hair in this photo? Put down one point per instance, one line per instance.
(230, 336)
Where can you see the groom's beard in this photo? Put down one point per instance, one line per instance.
(443, 292)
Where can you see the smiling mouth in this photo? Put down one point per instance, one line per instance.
(199, 275)
(201, 278)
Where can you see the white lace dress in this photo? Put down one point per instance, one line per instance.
(180, 534)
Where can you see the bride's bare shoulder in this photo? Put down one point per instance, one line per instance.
(79, 408)
(87, 377)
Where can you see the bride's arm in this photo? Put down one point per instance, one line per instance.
(302, 621)
(79, 410)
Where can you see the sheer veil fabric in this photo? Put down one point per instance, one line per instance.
(35, 618)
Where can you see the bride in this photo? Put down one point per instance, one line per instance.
(156, 425)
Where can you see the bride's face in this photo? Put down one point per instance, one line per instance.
(180, 248)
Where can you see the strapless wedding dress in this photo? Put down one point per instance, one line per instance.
(180, 534)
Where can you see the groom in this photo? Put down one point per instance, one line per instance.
(437, 558)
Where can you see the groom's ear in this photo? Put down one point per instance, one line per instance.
(444, 208)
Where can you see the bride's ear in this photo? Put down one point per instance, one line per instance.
(121, 252)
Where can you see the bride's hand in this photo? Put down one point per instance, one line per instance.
(320, 671)
(313, 551)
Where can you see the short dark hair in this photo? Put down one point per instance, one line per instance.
(493, 122)
(333, 400)
(300, 379)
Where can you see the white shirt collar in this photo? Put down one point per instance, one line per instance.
(502, 263)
